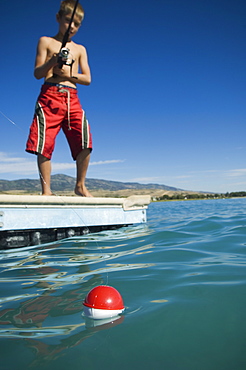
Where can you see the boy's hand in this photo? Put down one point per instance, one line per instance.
(62, 72)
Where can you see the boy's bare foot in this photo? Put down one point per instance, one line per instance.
(82, 191)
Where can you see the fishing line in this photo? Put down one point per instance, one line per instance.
(63, 200)
(18, 127)
(10, 120)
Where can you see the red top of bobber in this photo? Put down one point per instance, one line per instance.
(104, 297)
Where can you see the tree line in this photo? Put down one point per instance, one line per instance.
(186, 196)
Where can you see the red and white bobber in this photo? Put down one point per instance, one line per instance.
(103, 302)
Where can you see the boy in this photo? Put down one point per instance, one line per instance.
(58, 104)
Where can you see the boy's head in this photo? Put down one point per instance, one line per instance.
(67, 6)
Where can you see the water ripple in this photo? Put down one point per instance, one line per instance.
(182, 274)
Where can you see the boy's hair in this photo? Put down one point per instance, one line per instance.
(67, 7)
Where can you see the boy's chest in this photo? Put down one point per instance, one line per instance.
(55, 47)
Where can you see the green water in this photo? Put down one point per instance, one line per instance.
(182, 277)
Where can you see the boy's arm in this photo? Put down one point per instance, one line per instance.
(42, 66)
(83, 78)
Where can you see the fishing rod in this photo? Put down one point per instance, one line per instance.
(64, 52)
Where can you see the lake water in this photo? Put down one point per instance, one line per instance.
(182, 277)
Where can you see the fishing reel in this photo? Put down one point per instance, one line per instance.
(64, 57)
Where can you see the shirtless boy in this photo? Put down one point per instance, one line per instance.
(58, 104)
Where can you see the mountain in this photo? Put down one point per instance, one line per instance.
(66, 183)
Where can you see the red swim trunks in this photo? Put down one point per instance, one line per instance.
(58, 107)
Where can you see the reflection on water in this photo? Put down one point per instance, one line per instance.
(43, 289)
(182, 279)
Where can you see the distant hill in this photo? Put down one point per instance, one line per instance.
(66, 183)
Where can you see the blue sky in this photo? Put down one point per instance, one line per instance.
(167, 100)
